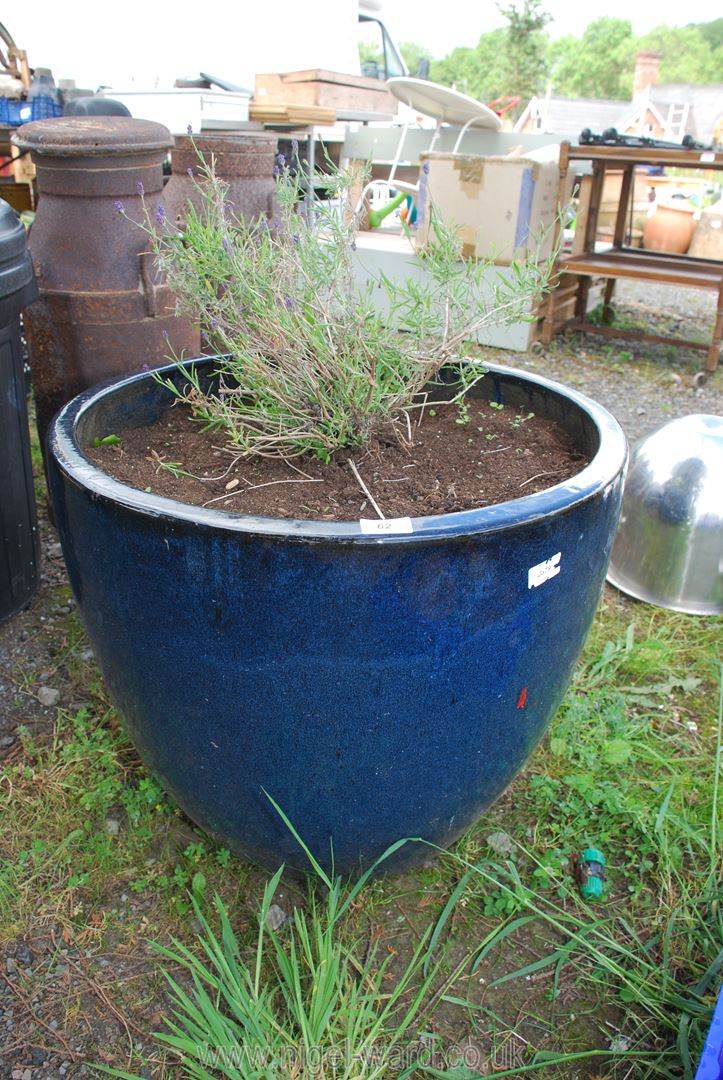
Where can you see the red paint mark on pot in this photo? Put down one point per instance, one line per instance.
(522, 698)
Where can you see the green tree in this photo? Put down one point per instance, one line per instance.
(526, 48)
(413, 54)
(598, 65)
(712, 32)
(481, 72)
(509, 60)
(370, 53)
(518, 59)
(687, 55)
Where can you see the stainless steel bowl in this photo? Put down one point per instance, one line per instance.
(669, 546)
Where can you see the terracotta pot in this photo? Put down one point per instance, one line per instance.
(670, 229)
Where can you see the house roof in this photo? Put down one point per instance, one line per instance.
(706, 105)
(568, 116)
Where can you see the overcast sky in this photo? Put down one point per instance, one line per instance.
(148, 43)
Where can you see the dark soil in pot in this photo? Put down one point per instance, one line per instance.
(456, 461)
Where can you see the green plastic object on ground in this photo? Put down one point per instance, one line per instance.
(592, 874)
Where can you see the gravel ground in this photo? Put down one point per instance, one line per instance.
(644, 385)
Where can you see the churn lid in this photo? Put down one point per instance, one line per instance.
(16, 269)
(89, 136)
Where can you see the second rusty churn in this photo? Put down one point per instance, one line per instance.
(103, 309)
(245, 163)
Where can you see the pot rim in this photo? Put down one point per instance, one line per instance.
(607, 463)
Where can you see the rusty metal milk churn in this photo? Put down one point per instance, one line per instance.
(103, 310)
(244, 162)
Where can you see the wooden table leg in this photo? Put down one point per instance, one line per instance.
(714, 352)
(548, 323)
(621, 218)
(607, 312)
(581, 302)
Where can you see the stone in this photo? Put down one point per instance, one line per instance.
(24, 956)
(501, 843)
(48, 697)
(275, 917)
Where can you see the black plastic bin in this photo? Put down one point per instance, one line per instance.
(19, 539)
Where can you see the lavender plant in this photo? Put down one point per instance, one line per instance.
(307, 364)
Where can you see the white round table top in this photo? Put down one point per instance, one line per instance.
(442, 103)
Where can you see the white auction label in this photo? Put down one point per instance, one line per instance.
(550, 568)
(384, 526)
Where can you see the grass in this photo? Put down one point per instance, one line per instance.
(485, 954)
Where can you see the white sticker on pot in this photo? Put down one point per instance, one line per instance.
(541, 573)
(385, 526)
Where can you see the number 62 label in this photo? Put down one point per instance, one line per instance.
(385, 526)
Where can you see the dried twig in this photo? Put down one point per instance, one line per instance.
(41, 1023)
(538, 476)
(253, 487)
(364, 488)
(100, 993)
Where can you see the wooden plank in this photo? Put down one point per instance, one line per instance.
(638, 335)
(291, 114)
(647, 155)
(649, 257)
(335, 91)
(615, 264)
(339, 78)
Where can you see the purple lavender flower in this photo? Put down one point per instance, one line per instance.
(277, 170)
(164, 334)
(190, 172)
(425, 168)
(118, 205)
(280, 160)
(189, 129)
(296, 238)
(215, 324)
(139, 188)
(289, 303)
(160, 214)
(226, 245)
(145, 367)
(294, 147)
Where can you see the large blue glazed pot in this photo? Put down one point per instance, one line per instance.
(376, 686)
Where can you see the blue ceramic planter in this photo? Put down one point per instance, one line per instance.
(376, 686)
